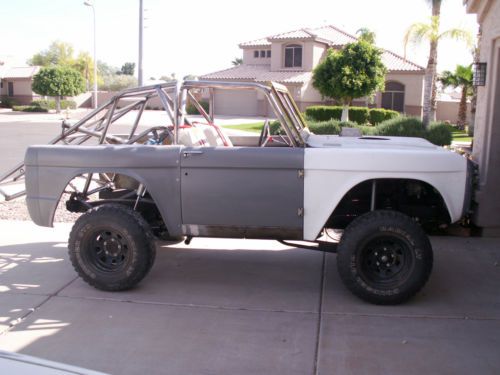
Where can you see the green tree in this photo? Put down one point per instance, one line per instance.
(353, 72)
(366, 34)
(168, 78)
(237, 61)
(128, 69)
(85, 65)
(58, 53)
(462, 78)
(58, 81)
(431, 33)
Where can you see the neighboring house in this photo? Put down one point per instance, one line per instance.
(289, 59)
(486, 151)
(15, 83)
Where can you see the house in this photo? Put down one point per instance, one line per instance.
(290, 57)
(486, 150)
(15, 83)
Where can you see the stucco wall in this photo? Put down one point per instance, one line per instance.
(487, 120)
(448, 111)
(22, 90)
(311, 53)
(249, 59)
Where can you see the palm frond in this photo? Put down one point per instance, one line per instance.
(416, 33)
(458, 34)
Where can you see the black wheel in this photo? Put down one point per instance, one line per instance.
(384, 257)
(111, 247)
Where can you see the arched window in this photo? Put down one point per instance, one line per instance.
(394, 96)
(293, 56)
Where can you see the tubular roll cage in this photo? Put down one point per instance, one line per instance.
(173, 97)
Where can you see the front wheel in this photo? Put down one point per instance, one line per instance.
(111, 247)
(384, 257)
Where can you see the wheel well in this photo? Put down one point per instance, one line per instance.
(106, 188)
(414, 198)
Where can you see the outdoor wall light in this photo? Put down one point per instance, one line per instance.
(479, 78)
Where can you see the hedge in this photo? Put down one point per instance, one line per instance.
(51, 104)
(360, 115)
(28, 108)
(438, 133)
(191, 109)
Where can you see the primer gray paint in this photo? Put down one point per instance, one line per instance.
(50, 168)
(242, 187)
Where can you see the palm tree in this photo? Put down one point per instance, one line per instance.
(419, 32)
(367, 35)
(461, 77)
(237, 61)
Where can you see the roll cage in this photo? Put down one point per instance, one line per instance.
(97, 127)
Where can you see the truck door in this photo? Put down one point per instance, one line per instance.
(248, 192)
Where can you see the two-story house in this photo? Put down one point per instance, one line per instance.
(289, 59)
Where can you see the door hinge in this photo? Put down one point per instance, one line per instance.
(300, 212)
(300, 173)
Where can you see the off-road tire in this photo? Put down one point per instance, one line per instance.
(111, 247)
(384, 257)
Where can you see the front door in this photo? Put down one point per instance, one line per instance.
(10, 88)
(246, 192)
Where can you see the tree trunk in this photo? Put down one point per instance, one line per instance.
(58, 104)
(430, 73)
(462, 109)
(345, 113)
(429, 84)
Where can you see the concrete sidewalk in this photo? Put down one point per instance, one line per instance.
(247, 307)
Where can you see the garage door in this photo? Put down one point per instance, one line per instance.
(236, 103)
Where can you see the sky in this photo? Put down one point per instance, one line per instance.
(198, 37)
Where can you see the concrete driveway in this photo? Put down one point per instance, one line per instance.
(247, 307)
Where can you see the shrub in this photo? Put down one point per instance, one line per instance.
(191, 109)
(377, 115)
(28, 108)
(7, 102)
(360, 115)
(390, 114)
(51, 104)
(439, 133)
(402, 127)
(325, 127)
(323, 112)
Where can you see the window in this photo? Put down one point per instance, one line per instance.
(293, 56)
(394, 96)
(268, 53)
(255, 54)
(262, 53)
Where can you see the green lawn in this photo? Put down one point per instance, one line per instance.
(460, 136)
(254, 127)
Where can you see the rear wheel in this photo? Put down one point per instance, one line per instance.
(384, 257)
(111, 247)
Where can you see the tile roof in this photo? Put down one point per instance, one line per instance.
(21, 72)
(327, 34)
(256, 43)
(396, 63)
(259, 73)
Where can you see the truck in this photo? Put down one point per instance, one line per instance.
(371, 200)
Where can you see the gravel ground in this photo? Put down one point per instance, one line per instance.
(17, 210)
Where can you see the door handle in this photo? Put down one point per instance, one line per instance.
(192, 152)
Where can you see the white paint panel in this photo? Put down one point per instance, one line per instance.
(236, 103)
(331, 172)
